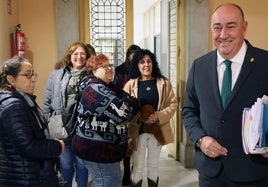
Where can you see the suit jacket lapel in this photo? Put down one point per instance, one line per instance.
(214, 77)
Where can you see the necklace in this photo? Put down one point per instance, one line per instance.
(147, 85)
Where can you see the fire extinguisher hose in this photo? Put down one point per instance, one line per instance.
(16, 29)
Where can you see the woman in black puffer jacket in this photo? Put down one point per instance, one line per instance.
(26, 154)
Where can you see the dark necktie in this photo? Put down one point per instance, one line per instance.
(226, 83)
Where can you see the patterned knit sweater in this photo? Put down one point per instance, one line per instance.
(103, 113)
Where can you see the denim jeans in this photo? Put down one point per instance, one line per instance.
(69, 164)
(104, 174)
(146, 142)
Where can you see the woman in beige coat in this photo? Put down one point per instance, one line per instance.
(150, 87)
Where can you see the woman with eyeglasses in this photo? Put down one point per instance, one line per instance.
(60, 97)
(27, 154)
(150, 87)
(104, 110)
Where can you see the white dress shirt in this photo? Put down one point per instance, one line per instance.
(237, 62)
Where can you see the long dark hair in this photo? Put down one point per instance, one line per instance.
(131, 49)
(138, 56)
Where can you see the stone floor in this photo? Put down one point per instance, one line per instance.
(172, 173)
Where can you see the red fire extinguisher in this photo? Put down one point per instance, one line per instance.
(17, 39)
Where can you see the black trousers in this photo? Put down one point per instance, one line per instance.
(221, 180)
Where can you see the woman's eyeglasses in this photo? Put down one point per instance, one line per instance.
(79, 54)
(105, 66)
(28, 75)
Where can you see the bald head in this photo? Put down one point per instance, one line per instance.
(234, 6)
(228, 29)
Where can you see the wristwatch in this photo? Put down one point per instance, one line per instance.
(198, 143)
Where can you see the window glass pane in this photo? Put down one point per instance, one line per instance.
(107, 28)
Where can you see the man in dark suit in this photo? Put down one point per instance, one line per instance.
(216, 129)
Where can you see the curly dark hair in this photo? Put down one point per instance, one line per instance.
(138, 56)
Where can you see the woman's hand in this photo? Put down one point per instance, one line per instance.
(153, 118)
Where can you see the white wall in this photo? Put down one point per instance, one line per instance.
(141, 6)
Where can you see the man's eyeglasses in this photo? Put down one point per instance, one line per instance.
(28, 75)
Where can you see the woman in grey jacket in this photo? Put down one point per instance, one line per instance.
(60, 97)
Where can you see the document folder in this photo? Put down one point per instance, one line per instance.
(264, 136)
(255, 127)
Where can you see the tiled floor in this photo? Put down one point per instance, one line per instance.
(172, 173)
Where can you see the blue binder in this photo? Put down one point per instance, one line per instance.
(264, 139)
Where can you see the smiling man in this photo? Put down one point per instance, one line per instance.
(213, 119)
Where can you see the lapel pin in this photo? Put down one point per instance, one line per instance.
(251, 60)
